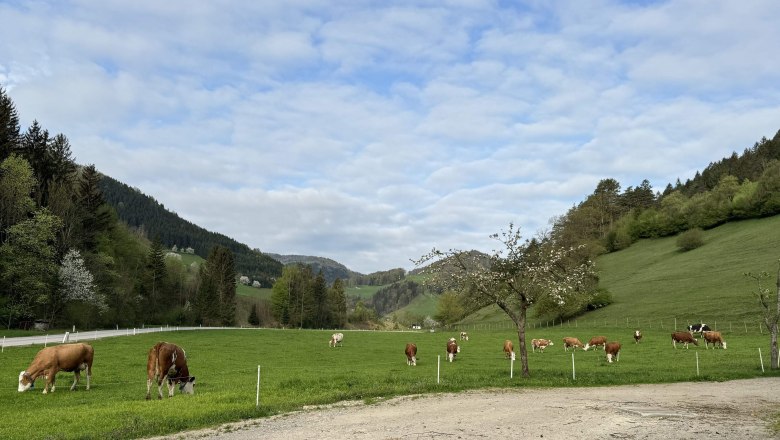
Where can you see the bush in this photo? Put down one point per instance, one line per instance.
(690, 239)
(601, 298)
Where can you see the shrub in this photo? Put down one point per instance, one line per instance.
(690, 239)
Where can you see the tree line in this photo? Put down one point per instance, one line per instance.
(735, 188)
(65, 256)
(304, 300)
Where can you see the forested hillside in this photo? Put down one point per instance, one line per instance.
(739, 187)
(144, 214)
(66, 259)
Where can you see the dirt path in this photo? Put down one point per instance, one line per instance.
(729, 410)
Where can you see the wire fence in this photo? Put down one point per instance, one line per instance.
(671, 324)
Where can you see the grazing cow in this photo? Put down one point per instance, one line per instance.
(596, 341)
(464, 336)
(509, 350)
(683, 338)
(411, 354)
(452, 349)
(698, 328)
(50, 360)
(168, 361)
(571, 342)
(637, 336)
(541, 344)
(713, 338)
(613, 351)
(336, 338)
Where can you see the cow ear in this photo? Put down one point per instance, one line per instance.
(192, 379)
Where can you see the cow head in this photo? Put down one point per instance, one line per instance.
(188, 386)
(25, 381)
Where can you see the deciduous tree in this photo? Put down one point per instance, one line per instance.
(518, 275)
(28, 267)
(770, 305)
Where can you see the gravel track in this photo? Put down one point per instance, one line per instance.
(741, 409)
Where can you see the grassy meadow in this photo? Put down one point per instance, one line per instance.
(653, 283)
(299, 369)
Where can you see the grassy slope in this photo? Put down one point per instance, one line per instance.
(653, 283)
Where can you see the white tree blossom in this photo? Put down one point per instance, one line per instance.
(77, 283)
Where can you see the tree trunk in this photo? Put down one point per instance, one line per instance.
(521, 320)
(773, 330)
(773, 346)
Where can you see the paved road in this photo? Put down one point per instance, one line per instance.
(57, 338)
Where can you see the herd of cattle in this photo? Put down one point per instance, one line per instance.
(167, 362)
(611, 349)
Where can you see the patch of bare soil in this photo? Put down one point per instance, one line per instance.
(742, 409)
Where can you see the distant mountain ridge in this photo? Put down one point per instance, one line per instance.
(331, 269)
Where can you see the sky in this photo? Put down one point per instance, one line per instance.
(370, 132)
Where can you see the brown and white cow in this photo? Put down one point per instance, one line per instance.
(613, 351)
(509, 350)
(168, 361)
(336, 339)
(452, 349)
(683, 338)
(540, 344)
(596, 341)
(569, 342)
(464, 336)
(411, 354)
(714, 338)
(637, 336)
(67, 357)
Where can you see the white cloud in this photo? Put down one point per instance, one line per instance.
(369, 133)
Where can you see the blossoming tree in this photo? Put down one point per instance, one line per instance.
(521, 273)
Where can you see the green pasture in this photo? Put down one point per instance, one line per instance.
(362, 292)
(298, 368)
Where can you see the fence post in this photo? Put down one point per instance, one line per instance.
(46, 341)
(761, 358)
(3, 350)
(573, 371)
(257, 399)
(697, 363)
(511, 368)
(438, 368)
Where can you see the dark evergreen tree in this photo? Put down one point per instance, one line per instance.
(63, 165)
(154, 279)
(95, 214)
(9, 126)
(254, 319)
(207, 299)
(319, 291)
(337, 302)
(35, 148)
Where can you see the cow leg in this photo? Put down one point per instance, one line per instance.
(171, 387)
(89, 376)
(160, 385)
(76, 377)
(148, 389)
(50, 378)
